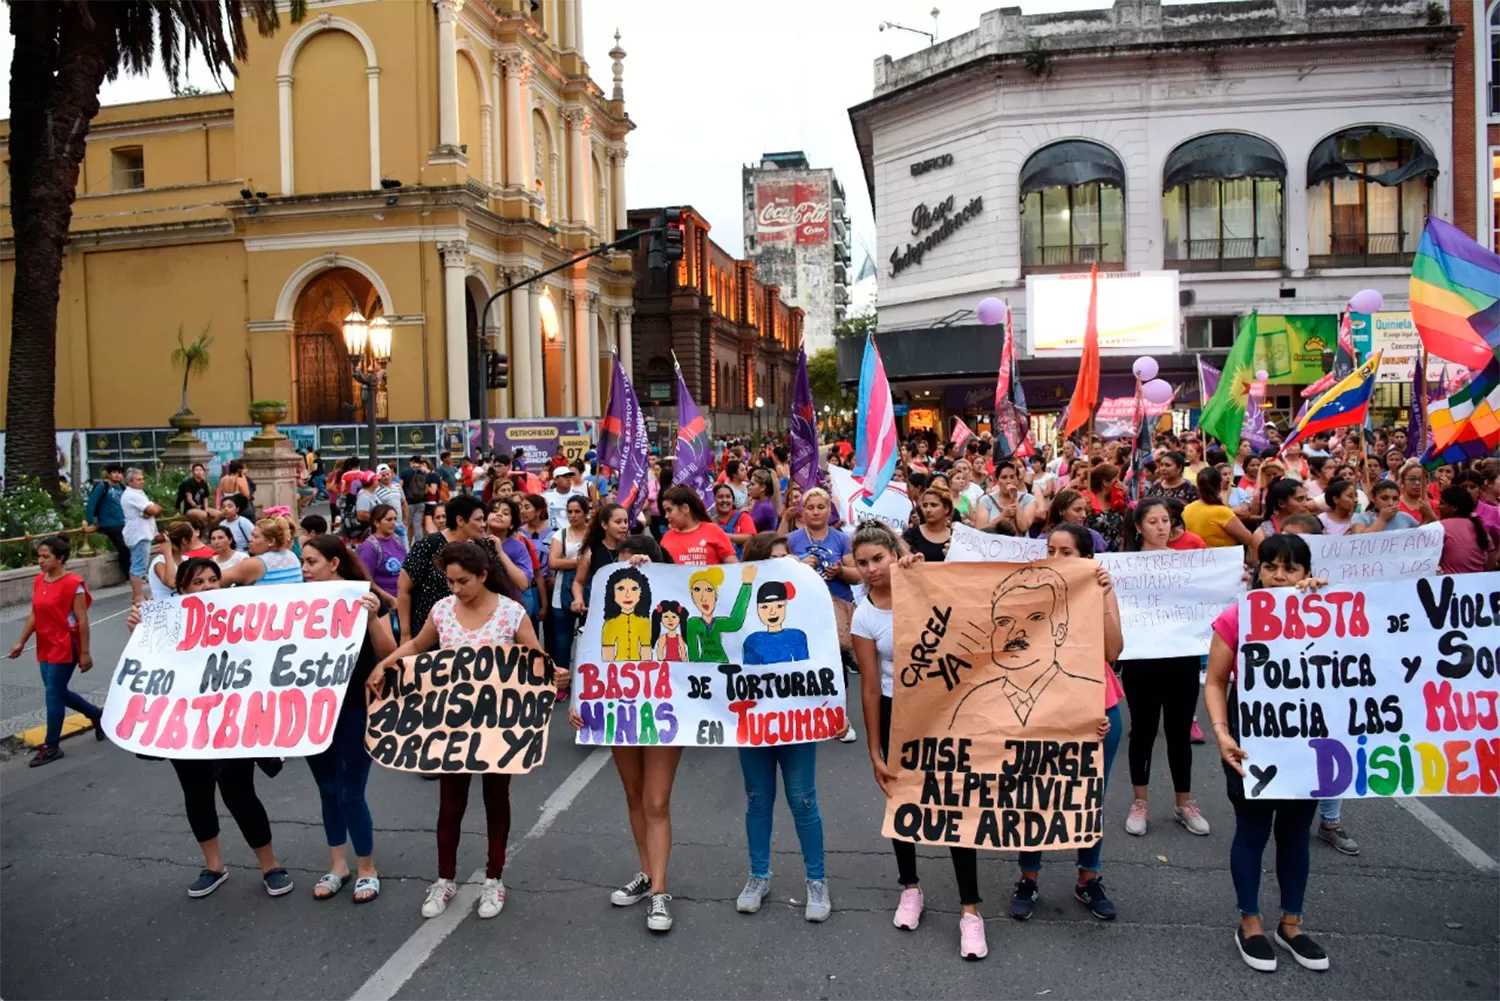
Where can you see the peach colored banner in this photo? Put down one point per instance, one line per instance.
(471, 709)
(999, 691)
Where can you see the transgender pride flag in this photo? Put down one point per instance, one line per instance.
(875, 446)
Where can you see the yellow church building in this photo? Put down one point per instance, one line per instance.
(403, 159)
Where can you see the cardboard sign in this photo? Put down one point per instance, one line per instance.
(1168, 600)
(469, 709)
(250, 672)
(1386, 690)
(999, 692)
(742, 655)
(1376, 556)
(893, 506)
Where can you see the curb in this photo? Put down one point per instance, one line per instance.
(73, 725)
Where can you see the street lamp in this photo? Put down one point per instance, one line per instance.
(759, 418)
(368, 343)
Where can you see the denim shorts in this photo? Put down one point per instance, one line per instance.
(140, 555)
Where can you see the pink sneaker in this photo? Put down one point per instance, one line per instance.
(1135, 820)
(1195, 733)
(971, 944)
(909, 909)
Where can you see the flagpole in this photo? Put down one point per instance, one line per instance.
(1422, 449)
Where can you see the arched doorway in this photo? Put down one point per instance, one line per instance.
(324, 385)
(552, 358)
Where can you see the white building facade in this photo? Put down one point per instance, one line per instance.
(1279, 154)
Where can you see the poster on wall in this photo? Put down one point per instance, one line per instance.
(539, 439)
(793, 211)
(1395, 336)
(1290, 348)
(1138, 313)
(1387, 689)
(998, 699)
(741, 655)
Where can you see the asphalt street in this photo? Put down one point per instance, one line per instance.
(97, 857)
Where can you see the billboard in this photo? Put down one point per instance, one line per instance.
(1396, 335)
(1137, 313)
(793, 211)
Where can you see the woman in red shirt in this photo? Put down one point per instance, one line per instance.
(60, 619)
(692, 538)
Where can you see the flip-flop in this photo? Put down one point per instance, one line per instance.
(366, 883)
(332, 882)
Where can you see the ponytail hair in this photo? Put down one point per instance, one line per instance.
(1210, 484)
(875, 533)
(276, 532)
(1462, 502)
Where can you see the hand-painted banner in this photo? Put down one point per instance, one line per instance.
(893, 506)
(245, 673)
(1168, 600)
(1376, 556)
(741, 656)
(471, 709)
(999, 693)
(1387, 690)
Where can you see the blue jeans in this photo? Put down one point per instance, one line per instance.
(560, 642)
(61, 698)
(1331, 810)
(1254, 820)
(341, 771)
(1088, 858)
(799, 774)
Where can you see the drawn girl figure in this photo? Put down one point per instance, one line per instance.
(705, 634)
(626, 632)
(666, 631)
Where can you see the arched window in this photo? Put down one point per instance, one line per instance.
(1221, 203)
(1368, 191)
(1072, 207)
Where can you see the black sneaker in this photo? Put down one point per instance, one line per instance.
(45, 755)
(1023, 901)
(633, 892)
(1308, 954)
(1256, 951)
(1091, 895)
(99, 727)
(207, 882)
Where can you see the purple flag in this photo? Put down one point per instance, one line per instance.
(803, 439)
(1254, 430)
(622, 442)
(1208, 381)
(1415, 425)
(695, 451)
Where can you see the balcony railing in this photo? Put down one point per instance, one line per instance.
(1215, 254)
(1364, 250)
(1065, 257)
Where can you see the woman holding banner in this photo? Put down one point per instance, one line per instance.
(343, 768)
(482, 610)
(1284, 560)
(1075, 541)
(1162, 690)
(876, 549)
(692, 538)
(567, 545)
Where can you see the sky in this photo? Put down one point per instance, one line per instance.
(713, 84)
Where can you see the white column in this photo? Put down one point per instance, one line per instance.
(592, 319)
(447, 15)
(579, 168)
(284, 100)
(1298, 244)
(455, 327)
(567, 20)
(522, 359)
(496, 145)
(372, 74)
(537, 375)
(515, 150)
(486, 139)
(617, 188)
(627, 344)
(582, 363)
(523, 123)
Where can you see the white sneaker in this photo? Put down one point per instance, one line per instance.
(659, 915)
(751, 896)
(491, 898)
(1135, 820)
(1190, 817)
(849, 737)
(438, 895)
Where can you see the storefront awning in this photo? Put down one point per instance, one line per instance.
(1222, 154)
(1325, 163)
(1075, 161)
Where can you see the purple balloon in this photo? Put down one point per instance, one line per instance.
(1145, 368)
(1158, 391)
(991, 311)
(1366, 301)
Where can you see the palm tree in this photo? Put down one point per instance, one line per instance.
(192, 357)
(64, 51)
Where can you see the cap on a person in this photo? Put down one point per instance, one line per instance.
(382, 469)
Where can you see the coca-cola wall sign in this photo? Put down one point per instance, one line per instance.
(933, 224)
(788, 211)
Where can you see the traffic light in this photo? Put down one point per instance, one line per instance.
(497, 370)
(673, 237)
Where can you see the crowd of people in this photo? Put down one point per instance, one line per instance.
(502, 548)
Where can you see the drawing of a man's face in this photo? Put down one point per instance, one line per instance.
(772, 613)
(1029, 619)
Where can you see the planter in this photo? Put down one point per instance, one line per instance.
(268, 413)
(185, 422)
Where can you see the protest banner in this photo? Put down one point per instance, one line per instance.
(468, 709)
(1168, 600)
(245, 673)
(999, 693)
(893, 506)
(1377, 556)
(661, 661)
(1387, 690)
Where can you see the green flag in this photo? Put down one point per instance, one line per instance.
(1224, 415)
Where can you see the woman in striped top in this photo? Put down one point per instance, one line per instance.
(271, 558)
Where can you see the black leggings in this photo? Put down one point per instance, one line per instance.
(1155, 689)
(235, 778)
(965, 860)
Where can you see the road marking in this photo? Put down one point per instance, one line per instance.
(416, 950)
(1448, 834)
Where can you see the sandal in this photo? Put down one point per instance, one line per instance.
(366, 884)
(332, 882)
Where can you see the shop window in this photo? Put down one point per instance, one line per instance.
(1368, 192)
(1221, 207)
(1072, 207)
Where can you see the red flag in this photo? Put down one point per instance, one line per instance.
(961, 433)
(1086, 393)
(1002, 383)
